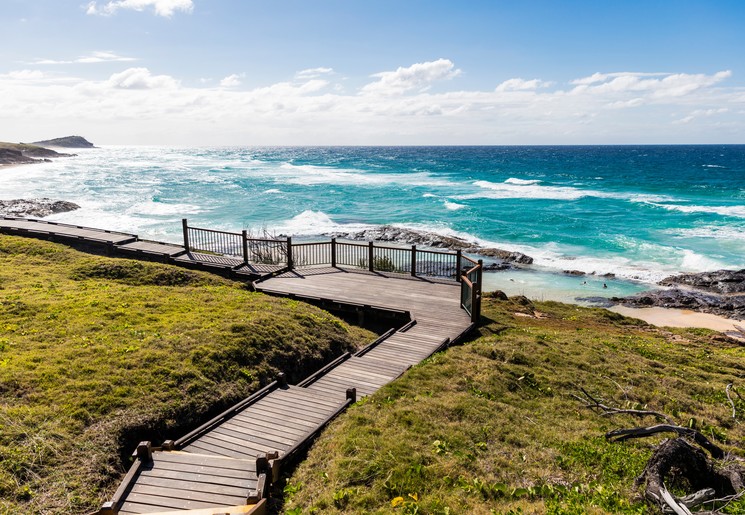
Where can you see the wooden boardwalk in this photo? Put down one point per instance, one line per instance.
(227, 465)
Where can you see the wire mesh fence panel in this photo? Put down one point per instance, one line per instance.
(310, 254)
(215, 242)
(432, 263)
(352, 254)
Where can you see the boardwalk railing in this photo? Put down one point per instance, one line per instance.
(265, 251)
(470, 288)
(368, 256)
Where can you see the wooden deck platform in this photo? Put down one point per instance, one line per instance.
(226, 465)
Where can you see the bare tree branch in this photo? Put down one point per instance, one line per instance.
(620, 435)
(591, 403)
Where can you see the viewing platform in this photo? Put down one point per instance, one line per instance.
(227, 465)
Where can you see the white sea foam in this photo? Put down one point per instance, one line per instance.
(429, 195)
(452, 206)
(713, 166)
(532, 190)
(736, 211)
(315, 223)
(273, 190)
(162, 209)
(521, 182)
(710, 232)
(309, 175)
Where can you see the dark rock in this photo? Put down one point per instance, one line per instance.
(494, 267)
(35, 208)
(496, 294)
(720, 281)
(574, 272)
(66, 142)
(10, 156)
(429, 239)
(601, 302)
(730, 306)
(522, 300)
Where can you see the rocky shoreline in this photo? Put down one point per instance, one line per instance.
(720, 293)
(35, 208)
(504, 259)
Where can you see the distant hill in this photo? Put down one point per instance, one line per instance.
(23, 153)
(66, 142)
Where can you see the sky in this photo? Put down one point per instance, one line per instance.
(374, 72)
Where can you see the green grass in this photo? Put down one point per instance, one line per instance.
(492, 427)
(98, 353)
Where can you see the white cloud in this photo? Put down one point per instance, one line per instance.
(138, 105)
(141, 78)
(25, 75)
(93, 57)
(232, 81)
(312, 73)
(522, 85)
(417, 76)
(165, 8)
(661, 86)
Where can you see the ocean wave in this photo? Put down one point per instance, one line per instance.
(710, 232)
(713, 166)
(273, 191)
(736, 211)
(310, 175)
(452, 206)
(511, 190)
(163, 209)
(521, 182)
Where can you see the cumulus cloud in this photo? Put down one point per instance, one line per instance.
(232, 81)
(138, 105)
(24, 75)
(658, 85)
(93, 57)
(141, 78)
(419, 76)
(522, 85)
(165, 8)
(312, 73)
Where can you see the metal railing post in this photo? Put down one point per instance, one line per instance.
(333, 252)
(245, 246)
(186, 233)
(290, 263)
(458, 270)
(371, 257)
(413, 260)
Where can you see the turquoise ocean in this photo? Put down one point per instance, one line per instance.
(639, 212)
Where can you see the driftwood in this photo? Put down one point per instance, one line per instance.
(620, 435)
(606, 411)
(677, 462)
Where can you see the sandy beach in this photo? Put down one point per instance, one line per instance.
(665, 317)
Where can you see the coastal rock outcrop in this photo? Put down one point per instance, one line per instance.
(22, 153)
(729, 306)
(35, 208)
(430, 239)
(66, 142)
(720, 281)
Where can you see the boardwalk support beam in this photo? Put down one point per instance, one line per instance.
(413, 260)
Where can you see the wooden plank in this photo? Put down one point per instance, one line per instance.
(193, 493)
(196, 469)
(233, 448)
(167, 483)
(201, 478)
(295, 407)
(164, 502)
(268, 428)
(273, 416)
(256, 436)
(209, 461)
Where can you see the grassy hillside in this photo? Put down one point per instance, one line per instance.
(97, 354)
(492, 427)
